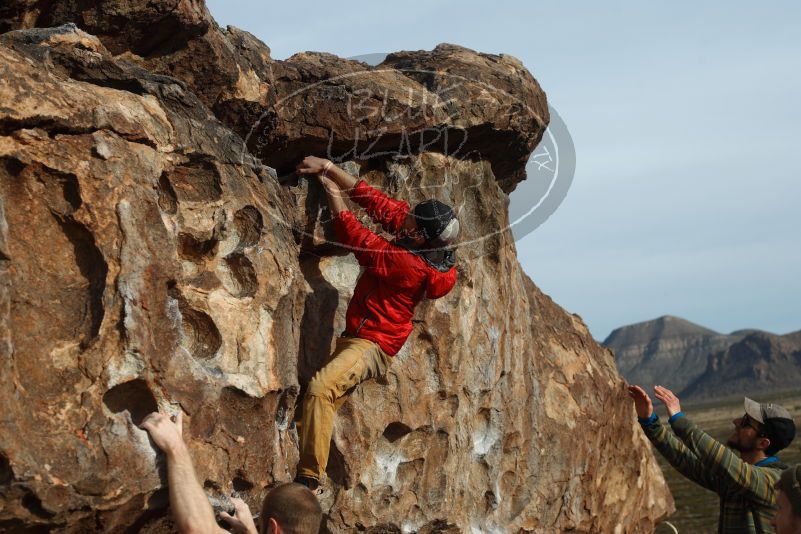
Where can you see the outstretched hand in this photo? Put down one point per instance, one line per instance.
(242, 520)
(671, 401)
(168, 436)
(642, 402)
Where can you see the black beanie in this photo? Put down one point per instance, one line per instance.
(432, 217)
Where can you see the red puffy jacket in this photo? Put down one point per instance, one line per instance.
(394, 279)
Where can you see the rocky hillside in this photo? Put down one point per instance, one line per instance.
(699, 362)
(669, 350)
(758, 363)
(157, 253)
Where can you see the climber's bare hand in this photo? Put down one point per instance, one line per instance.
(642, 402)
(166, 434)
(311, 165)
(242, 520)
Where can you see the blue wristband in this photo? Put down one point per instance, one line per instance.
(648, 420)
(675, 416)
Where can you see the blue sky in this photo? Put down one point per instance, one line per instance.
(686, 119)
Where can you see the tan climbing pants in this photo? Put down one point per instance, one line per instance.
(354, 360)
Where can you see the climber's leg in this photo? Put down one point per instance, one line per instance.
(354, 361)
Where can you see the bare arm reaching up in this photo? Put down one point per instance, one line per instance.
(390, 213)
(315, 165)
(190, 505)
(334, 193)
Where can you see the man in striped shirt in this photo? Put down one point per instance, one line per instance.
(746, 482)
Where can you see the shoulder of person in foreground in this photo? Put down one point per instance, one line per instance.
(787, 519)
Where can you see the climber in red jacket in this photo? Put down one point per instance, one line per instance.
(417, 264)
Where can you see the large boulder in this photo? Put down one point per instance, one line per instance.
(146, 265)
(451, 99)
(150, 258)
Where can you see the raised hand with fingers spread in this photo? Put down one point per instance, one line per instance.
(670, 400)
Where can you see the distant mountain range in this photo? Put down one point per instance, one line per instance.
(695, 361)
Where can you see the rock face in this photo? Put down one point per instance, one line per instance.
(150, 259)
(143, 265)
(490, 104)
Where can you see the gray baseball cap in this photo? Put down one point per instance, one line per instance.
(778, 423)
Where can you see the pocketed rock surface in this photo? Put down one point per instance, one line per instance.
(156, 252)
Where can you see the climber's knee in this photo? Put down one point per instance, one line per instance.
(321, 388)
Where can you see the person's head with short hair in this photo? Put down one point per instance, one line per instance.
(764, 427)
(290, 508)
(788, 515)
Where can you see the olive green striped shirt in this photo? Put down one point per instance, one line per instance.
(746, 491)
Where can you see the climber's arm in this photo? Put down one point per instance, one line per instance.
(191, 509)
(315, 165)
(336, 200)
(364, 244)
(345, 181)
(382, 209)
(371, 250)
